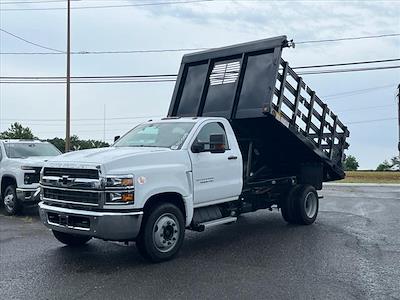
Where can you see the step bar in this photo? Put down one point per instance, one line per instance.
(202, 226)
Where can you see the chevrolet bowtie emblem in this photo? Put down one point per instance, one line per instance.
(64, 180)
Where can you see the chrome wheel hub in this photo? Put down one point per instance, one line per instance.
(166, 232)
(310, 205)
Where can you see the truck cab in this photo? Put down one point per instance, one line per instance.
(20, 165)
(233, 142)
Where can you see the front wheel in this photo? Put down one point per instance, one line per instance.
(11, 203)
(69, 239)
(162, 233)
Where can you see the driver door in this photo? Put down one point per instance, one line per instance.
(216, 176)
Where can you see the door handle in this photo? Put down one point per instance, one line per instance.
(232, 157)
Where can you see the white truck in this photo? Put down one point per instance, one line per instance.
(234, 141)
(20, 165)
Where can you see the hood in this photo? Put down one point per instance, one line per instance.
(33, 161)
(105, 155)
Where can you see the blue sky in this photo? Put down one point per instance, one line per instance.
(196, 25)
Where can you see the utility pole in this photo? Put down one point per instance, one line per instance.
(398, 99)
(104, 125)
(68, 94)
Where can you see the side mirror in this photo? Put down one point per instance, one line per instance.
(217, 143)
(116, 138)
(197, 148)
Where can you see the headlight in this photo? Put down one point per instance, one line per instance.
(120, 181)
(120, 189)
(31, 175)
(28, 168)
(124, 197)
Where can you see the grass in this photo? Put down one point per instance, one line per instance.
(371, 177)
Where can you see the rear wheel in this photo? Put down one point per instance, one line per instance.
(11, 203)
(301, 205)
(69, 239)
(162, 233)
(307, 205)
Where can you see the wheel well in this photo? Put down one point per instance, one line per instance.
(6, 181)
(170, 197)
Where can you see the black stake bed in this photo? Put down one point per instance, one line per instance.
(283, 128)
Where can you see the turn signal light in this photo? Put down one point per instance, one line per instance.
(127, 197)
(127, 181)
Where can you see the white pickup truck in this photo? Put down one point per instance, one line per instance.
(20, 165)
(228, 146)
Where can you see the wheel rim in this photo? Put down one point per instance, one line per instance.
(310, 204)
(166, 232)
(9, 201)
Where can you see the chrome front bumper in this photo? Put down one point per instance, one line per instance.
(115, 226)
(28, 195)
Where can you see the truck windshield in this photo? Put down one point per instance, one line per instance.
(166, 135)
(22, 150)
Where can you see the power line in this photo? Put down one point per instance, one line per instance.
(368, 121)
(349, 63)
(148, 78)
(348, 70)
(84, 52)
(118, 129)
(85, 119)
(113, 6)
(366, 108)
(39, 2)
(29, 42)
(349, 38)
(355, 92)
(100, 120)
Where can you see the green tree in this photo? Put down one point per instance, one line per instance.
(58, 142)
(17, 131)
(351, 163)
(77, 144)
(396, 162)
(385, 166)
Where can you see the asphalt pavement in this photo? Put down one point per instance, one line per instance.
(351, 252)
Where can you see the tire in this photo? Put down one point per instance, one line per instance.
(300, 205)
(162, 233)
(287, 205)
(306, 205)
(73, 240)
(12, 205)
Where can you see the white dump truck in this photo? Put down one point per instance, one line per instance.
(243, 132)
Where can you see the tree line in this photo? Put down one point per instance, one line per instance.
(17, 131)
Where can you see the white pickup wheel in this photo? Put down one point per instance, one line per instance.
(300, 205)
(11, 204)
(162, 233)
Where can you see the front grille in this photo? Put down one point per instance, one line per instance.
(72, 173)
(71, 196)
